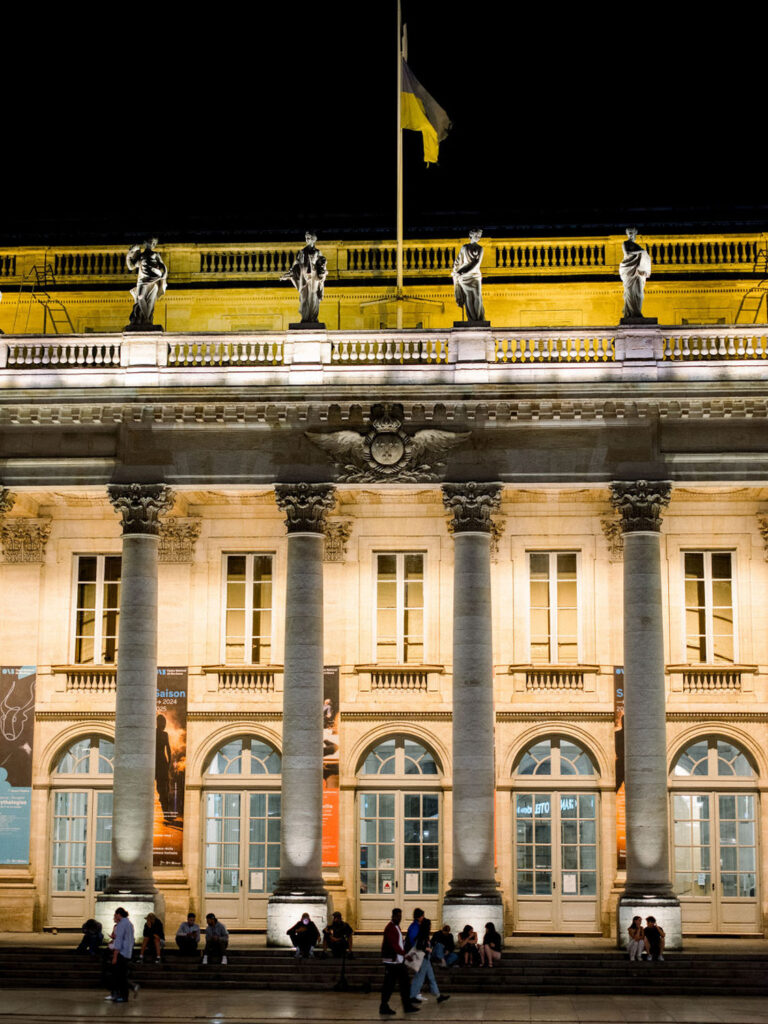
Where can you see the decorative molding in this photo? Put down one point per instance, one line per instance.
(471, 505)
(305, 505)
(73, 716)
(762, 525)
(386, 451)
(497, 531)
(640, 503)
(398, 716)
(612, 530)
(24, 540)
(337, 532)
(6, 501)
(178, 537)
(225, 716)
(140, 506)
(561, 716)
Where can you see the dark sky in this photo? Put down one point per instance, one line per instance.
(235, 121)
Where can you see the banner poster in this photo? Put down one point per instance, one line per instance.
(618, 734)
(170, 766)
(331, 766)
(17, 726)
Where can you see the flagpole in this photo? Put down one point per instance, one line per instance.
(399, 260)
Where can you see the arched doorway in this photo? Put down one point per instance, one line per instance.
(241, 823)
(713, 787)
(556, 814)
(399, 833)
(81, 829)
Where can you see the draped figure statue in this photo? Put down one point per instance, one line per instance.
(150, 285)
(467, 278)
(307, 275)
(634, 269)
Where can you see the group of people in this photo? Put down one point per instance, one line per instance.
(337, 936)
(645, 943)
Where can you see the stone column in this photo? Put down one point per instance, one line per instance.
(300, 886)
(473, 889)
(131, 881)
(648, 887)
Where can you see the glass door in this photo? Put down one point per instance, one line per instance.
(81, 854)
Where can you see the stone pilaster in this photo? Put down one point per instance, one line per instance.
(648, 888)
(300, 885)
(473, 889)
(24, 540)
(131, 880)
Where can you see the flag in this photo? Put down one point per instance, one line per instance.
(420, 113)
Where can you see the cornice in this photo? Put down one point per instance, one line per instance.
(223, 716)
(402, 716)
(546, 714)
(73, 716)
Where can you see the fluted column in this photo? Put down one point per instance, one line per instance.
(473, 886)
(131, 878)
(648, 887)
(301, 881)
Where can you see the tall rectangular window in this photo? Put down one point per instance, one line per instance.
(709, 635)
(554, 608)
(97, 610)
(248, 610)
(400, 609)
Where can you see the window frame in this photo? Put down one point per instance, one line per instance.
(400, 554)
(248, 639)
(709, 605)
(553, 553)
(98, 635)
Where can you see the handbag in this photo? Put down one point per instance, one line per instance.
(413, 960)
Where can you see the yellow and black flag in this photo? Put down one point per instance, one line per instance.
(420, 113)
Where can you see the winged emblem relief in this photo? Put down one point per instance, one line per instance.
(386, 451)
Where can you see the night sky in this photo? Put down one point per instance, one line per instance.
(237, 123)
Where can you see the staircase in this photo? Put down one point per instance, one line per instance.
(542, 974)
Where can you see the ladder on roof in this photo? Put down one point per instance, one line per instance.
(40, 281)
(752, 301)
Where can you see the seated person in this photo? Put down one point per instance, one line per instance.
(304, 935)
(490, 947)
(92, 937)
(444, 948)
(337, 936)
(188, 935)
(468, 946)
(154, 935)
(216, 939)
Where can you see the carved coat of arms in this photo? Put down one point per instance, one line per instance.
(386, 451)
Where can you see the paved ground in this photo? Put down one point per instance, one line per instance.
(33, 1006)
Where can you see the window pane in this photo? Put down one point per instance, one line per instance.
(721, 565)
(566, 565)
(539, 565)
(694, 564)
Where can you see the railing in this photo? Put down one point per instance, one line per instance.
(91, 263)
(704, 252)
(554, 677)
(52, 354)
(532, 257)
(721, 343)
(709, 680)
(413, 679)
(7, 265)
(389, 349)
(217, 352)
(88, 678)
(549, 347)
(251, 261)
(250, 678)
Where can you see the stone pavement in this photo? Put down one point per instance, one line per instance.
(76, 1006)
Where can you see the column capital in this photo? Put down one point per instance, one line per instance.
(471, 505)
(141, 505)
(305, 505)
(6, 501)
(640, 503)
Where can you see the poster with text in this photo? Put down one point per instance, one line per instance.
(17, 726)
(330, 766)
(170, 765)
(618, 734)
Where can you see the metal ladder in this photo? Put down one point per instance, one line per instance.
(40, 281)
(752, 300)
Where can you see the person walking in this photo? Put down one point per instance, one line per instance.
(395, 973)
(424, 972)
(122, 951)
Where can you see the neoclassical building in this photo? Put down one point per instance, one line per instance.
(375, 615)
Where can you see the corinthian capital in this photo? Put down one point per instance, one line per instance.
(305, 505)
(6, 501)
(640, 503)
(471, 506)
(141, 506)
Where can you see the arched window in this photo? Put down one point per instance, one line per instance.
(399, 756)
(246, 755)
(713, 757)
(555, 756)
(92, 755)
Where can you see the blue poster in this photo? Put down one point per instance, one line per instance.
(17, 724)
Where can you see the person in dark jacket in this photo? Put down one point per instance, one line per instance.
(92, 938)
(304, 935)
(395, 971)
(154, 936)
(490, 947)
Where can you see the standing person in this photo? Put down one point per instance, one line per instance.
(444, 946)
(337, 936)
(154, 933)
(424, 971)
(490, 947)
(395, 973)
(654, 939)
(216, 939)
(304, 935)
(188, 935)
(636, 944)
(122, 951)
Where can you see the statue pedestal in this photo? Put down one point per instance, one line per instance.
(638, 321)
(142, 328)
(306, 327)
(470, 325)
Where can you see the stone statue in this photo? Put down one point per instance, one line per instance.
(467, 278)
(308, 275)
(150, 285)
(633, 271)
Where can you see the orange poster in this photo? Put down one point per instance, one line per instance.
(170, 765)
(618, 725)
(331, 766)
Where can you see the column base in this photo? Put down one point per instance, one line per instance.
(477, 911)
(284, 911)
(666, 910)
(138, 906)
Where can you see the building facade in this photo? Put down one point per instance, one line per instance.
(431, 615)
